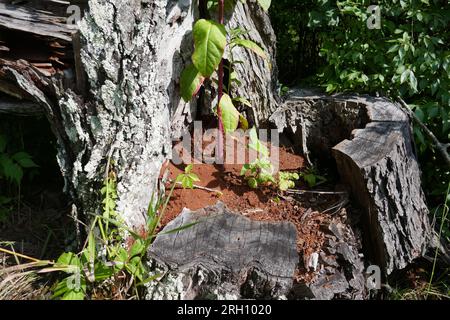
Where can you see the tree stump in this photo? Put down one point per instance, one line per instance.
(224, 256)
(372, 144)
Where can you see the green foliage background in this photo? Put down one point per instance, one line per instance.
(328, 43)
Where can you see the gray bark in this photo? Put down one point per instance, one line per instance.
(133, 53)
(132, 58)
(223, 256)
(373, 147)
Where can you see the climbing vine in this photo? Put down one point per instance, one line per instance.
(211, 39)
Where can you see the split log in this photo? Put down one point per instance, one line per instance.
(224, 256)
(372, 144)
(380, 165)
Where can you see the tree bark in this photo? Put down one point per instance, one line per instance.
(133, 53)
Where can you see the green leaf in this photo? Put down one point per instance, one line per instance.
(190, 83)
(188, 168)
(194, 177)
(245, 168)
(243, 122)
(70, 288)
(24, 159)
(413, 81)
(137, 248)
(122, 256)
(252, 183)
(248, 44)
(68, 259)
(243, 101)
(310, 179)
(210, 41)
(187, 183)
(10, 170)
(102, 272)
(405, 75)
(230, 115)
(265, 4)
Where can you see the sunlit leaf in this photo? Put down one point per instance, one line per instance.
(230, 115)
(190, 82)
(210, 41)
(265, 4)
(248, 44)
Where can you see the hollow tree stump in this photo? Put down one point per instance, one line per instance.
(372, 144)
(380, 165)
(224, 255)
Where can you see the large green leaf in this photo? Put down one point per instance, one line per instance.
(210, 41)
(68, 259)
(248, 44)
(230, 115)
(190, 83)
(24, 159)
(265, 4)
(10, 170)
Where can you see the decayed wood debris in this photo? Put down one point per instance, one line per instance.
(36, 42)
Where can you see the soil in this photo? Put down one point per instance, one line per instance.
(263, 204)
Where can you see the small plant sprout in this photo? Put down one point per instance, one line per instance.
(260, 171)
(312, 178)
(187, 178)
(286, 180)
(105, 256)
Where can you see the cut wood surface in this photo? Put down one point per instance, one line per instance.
(372, 144)
(256, 259)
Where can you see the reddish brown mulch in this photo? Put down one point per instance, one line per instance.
(263, 204)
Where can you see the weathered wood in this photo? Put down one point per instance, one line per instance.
(374, 151)
(224, 255)
(19, 108)
(380, 165)
(340, 264)
(31, 20)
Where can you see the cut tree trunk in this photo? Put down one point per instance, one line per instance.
(380, 165)
(372, 144)
(133, 53)
(223, 256)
